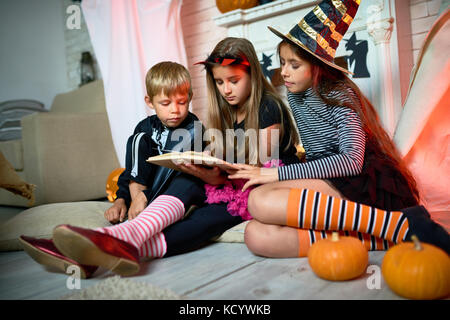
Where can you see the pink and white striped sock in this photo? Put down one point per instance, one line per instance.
(155, 247)
(162, 212)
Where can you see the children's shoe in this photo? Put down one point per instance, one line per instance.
(91, 247)
(421, 225)
(44, 252)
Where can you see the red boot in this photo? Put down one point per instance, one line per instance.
(44, 252)
(95, 248)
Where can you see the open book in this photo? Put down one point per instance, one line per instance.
(170, 160)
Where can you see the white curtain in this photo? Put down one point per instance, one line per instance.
(129, 36)
(423, 131)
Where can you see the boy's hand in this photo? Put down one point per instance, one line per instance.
(137, 205)
(117, 212)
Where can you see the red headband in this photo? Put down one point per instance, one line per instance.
(225, 61)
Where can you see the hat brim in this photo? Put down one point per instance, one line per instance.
(291, 39)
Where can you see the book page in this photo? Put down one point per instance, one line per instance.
(170, 160)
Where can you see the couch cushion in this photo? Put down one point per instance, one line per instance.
(12, 151)
(39, 221)
(89, 98)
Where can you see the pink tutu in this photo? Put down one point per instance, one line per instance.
(231, 193)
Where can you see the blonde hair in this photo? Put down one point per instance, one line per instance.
(168, 77)
(220, 115)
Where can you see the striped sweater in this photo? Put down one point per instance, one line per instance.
(332, 136)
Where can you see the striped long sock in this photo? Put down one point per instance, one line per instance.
(306, 238)
(308, 209)
(155, 247)
(162, 212)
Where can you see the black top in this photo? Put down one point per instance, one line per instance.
(162, 138)
(269, 114)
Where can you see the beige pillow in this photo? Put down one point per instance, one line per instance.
(39, 221)
(235, 234)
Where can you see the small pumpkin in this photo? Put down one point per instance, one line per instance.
(230, 5)
(338, 258)
(417, 270)
(111, 184)
(301, 153)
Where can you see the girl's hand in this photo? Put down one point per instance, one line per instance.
(212, 176)
(255, 175)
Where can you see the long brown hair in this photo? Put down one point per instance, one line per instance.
(220, 114)
(326, 79)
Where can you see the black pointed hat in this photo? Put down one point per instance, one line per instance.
(321, 30)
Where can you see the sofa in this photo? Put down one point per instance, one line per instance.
(67, 153)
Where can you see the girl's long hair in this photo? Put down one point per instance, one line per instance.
(326, 80)
(220, 113)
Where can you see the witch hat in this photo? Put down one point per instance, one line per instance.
(321, 30)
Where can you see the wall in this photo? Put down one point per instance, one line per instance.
(201, 34)
(32, 55)
(423, 14)
(39, 56)
(76, 41)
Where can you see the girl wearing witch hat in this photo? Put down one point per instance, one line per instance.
(353, 180)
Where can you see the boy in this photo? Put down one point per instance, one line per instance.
(169, 92)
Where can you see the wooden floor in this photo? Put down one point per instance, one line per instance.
(217, 271)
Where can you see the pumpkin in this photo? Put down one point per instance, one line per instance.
(301, 153)
(417, 270)
(111, 184)
(230, 5)
(338, 258)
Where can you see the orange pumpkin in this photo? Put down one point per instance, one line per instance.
(338, 258)
(111, 184)
(230, 5)
(417, 270)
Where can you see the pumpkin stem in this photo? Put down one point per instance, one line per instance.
(417, 244)
(335, 236)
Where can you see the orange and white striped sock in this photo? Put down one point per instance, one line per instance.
(308, 209)
(162, 212)
(306, 239)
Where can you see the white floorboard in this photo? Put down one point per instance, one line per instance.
(225, 271)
